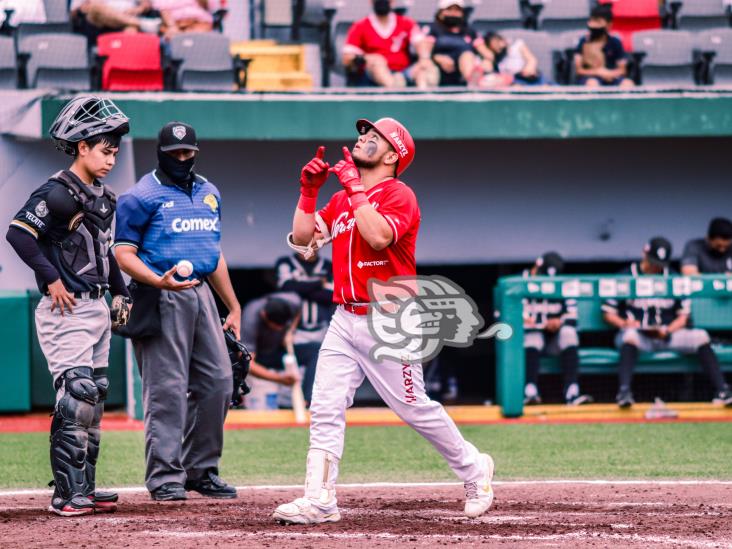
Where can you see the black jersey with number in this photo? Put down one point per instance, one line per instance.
(538, 311)
(650, 312)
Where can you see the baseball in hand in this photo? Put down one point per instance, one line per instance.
(184, 268)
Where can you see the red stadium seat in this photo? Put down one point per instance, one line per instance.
(133, 62)
(630, 16)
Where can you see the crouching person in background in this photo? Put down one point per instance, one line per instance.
(550, 327)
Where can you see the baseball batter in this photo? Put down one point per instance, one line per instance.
(373, 223)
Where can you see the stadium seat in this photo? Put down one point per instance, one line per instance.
(205, 62)
(566, 46)
(696, 15)
(496, 15)
(631, 16)
(543, 45)
(666, 57)
(564, 15)
(131, 62)
(8, 67)
(422, 11)
(57, 11)
(718, 41)
(57, 61)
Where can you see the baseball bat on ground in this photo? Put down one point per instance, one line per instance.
(291, 367)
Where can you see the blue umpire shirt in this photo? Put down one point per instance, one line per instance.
(167, 223)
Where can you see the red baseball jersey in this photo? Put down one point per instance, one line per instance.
(355, 262)
(391, 41)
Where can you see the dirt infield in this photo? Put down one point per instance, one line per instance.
(536, 514)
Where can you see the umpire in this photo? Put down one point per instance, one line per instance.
(173, 214)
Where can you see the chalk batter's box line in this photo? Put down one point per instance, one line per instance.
(367, 485)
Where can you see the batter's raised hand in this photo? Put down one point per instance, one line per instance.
(314, 174)
(348, 174)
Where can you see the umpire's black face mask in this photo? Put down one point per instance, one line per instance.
(179, 171)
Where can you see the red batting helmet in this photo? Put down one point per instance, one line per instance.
(397, 136)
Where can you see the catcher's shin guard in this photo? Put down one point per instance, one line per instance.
(72, 418)
(103, 501)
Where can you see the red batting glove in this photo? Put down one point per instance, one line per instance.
(350, 179)
(347, 174)
(312, 177)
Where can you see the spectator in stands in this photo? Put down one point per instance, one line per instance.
(550, 326)
(95, 17)
(600, 59)
(712, 254)
(512, 60)
(454, 44)
(312, 279)
(23, 11)
(265, 322)
(378, 53)
(184, 16)
(653, 324)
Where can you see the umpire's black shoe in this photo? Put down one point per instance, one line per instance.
(170, 491)
(211, 486)
(625, 399)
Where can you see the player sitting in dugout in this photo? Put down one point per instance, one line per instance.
(600, 59)
(378, 51)
(550, 327)
(710, 255)
(658, 324)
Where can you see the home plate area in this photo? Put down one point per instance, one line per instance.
(545, 514)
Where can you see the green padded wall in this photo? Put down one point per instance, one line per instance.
(15, 358)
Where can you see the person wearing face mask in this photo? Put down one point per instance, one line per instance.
(512, 60)
(600, 59)
(170, 215)
(710, 255)
(378, 51)
(454, 44)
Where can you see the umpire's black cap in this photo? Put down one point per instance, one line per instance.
(177, 135)
(658, 251)
(551, 263)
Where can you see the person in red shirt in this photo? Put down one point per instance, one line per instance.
(378, 51)
(373, 224)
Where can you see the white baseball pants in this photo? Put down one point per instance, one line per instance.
(342, 365)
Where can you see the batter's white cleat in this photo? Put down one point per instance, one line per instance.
(301, 511)
(479, 495)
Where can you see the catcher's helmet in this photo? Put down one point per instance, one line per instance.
(84, 117)
(396, 134)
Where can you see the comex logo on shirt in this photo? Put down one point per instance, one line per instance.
(181, 225)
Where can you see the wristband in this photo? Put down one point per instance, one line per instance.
(307, 203)
(357, 200)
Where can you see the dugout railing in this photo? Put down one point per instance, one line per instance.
(711, 309)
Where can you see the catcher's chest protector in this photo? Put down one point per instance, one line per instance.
(84, 251)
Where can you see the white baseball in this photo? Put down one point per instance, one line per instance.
(184, 268)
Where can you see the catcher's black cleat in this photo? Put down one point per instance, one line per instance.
(104, 502)
(170, 491)
(72, 507)
(211, 486)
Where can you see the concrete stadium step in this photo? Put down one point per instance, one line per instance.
(280, 81)
(274, 67)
